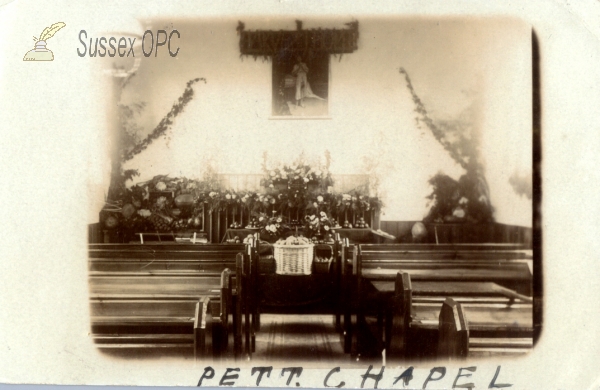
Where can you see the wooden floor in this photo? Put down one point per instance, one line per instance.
(308, 340)
(298, 338)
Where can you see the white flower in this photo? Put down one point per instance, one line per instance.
(323, 219)
(212, 194)
(272, 173)
(284, 175)
(315, 204)
(144, 213)
(233, 196)
(271, 185)
(227, 196)
(318, 172)
(244, 199)
(191, 186)
(279, 220)
(273, 228)
(326, 227)
(261, 219)
(354, 198)
(346, 197)
(261, 198)
(312, 217)
(323, 214)
(482, 198)
(463, 200)
(306, 180)
(160, 186)
(459, 213)
(272, 200)
(319, 198)
(296, 177)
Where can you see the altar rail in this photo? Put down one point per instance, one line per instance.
(217, 222)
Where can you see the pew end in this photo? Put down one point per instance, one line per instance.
(453, 337)
(203, 330)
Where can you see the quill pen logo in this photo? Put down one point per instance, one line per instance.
(39, 52)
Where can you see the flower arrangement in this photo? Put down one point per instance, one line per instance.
(272, 228)
(465, 200)
(299, 173)
(318, 225)
(169, 204)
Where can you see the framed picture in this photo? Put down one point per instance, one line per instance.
(300, 84)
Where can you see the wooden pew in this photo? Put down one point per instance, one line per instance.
(253, 282)
(493, 327)
(164, 257)
(145, 296)
(123, 321)
(203, 329)
(507, 265)
(453, 331)
(480, 274)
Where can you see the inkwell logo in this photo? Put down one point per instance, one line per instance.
(39, 52)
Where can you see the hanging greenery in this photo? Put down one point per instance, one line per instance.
(467, 199)
(166, 123)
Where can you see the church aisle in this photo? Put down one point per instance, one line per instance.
(298, 338)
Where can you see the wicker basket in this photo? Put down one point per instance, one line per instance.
(293, 259)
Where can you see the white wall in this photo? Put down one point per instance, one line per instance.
(450, 61)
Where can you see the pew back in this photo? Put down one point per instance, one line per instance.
(508, 265)
(146, 296)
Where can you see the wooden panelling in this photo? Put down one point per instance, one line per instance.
(461, 233)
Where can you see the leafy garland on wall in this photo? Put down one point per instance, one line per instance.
(468, 198)
(166, 123)
(117, 189)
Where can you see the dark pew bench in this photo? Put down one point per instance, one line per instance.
(160, 321)
(261, 290)
(149, 297)
(507, 265)
(494, 326)
(164, 257)
(475, 274)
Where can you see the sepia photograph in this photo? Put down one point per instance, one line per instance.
(285, 194)
(403, 228)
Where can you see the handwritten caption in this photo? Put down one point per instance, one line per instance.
(337, 378)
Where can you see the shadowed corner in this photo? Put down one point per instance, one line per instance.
(538, 276)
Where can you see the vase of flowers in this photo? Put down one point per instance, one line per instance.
(318, 226)
(272, 228)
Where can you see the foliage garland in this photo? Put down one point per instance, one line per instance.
(166, 123)
(468, 198)
(435, 130)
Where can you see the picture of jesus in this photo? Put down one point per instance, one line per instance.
(302, 86)
(294, 78)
